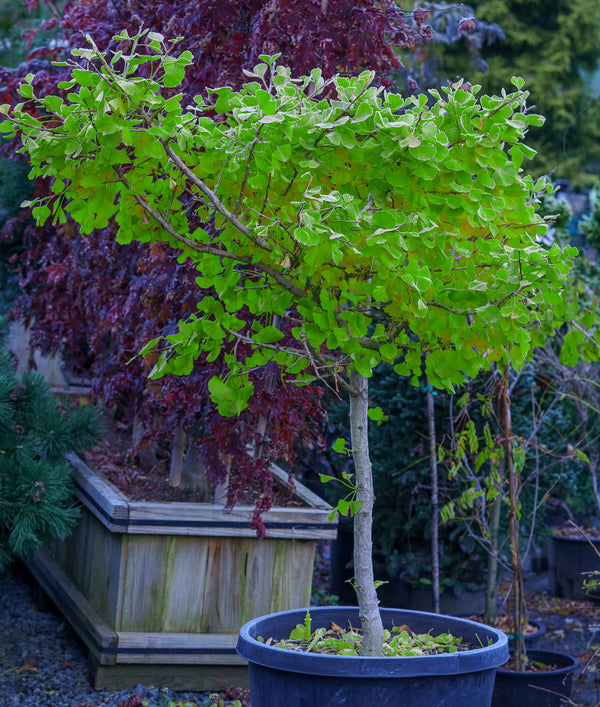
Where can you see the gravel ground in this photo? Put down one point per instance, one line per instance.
(43, 663)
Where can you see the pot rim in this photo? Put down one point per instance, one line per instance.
(594, 537)
(573, 664)
(475, 660)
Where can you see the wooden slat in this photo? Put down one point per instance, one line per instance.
(214, 659)
(144, 591)
(225, 567)
(107, 503)
(292, 576)
(196, 678)
(258, 564)
(185, 575)
(93, 630)
(211, 520)
(300, 491)
(120, 515)
(178, 648)
(93, 558)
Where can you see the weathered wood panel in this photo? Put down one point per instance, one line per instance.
(178, 648)
(108, 503)
(208, 519)
(93, 558)
(211, 584)
(184, 603)
(291, 571)
(92, 628)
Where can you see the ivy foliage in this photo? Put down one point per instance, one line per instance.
(378, 228)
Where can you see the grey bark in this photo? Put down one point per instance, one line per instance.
(491, 585)
(372, 641)
(435, 543)
(177, 454)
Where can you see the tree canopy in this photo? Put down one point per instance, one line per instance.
(393, 228)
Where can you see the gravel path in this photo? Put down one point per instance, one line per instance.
(43, 663)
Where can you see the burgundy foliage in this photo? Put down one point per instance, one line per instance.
(99, 302)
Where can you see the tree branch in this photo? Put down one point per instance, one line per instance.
(218, 252)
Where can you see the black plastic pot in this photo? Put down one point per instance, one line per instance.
(541, 689)
(534, 640)
(299, 679)
(399, 593)
(572, 556)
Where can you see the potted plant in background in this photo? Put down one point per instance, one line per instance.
(516, 467)
(327, 210)
(535, 677)
(572, 554)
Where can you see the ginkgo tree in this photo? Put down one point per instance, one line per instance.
(371, 227)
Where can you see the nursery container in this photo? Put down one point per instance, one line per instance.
(400, 593)
(572, 557)
(534, 640)
(158, 591)
(299, 679)
(537, 689)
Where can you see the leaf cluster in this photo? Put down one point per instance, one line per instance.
(400, 641)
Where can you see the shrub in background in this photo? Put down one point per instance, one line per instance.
(36, 431)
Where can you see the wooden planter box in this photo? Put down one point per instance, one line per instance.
(159, 591)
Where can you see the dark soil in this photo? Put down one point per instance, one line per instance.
(503, 623)
(138, 481)
(142, 478)
(532, 666)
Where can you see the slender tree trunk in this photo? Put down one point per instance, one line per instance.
(491, 585)
(593, 470)
(517, 595)
(177, 455)
(220, 494)
(435, 542)
(146, 455)
(372, 642)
